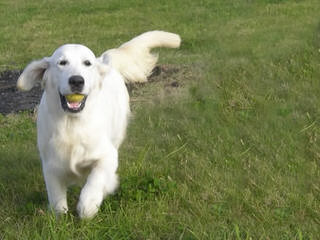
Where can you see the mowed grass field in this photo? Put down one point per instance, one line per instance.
(233, 152)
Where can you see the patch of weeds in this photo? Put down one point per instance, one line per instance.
(142, 188)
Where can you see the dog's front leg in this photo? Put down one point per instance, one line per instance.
(57, 190)
(101, 181)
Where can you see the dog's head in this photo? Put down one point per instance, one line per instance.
(70, 74)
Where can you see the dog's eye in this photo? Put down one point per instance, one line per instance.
(63, 62)
(87, 63)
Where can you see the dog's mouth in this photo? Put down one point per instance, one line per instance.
(73, 103)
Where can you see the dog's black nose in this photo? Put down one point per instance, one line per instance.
(76, 83)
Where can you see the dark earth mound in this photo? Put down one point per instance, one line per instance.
(12, 100)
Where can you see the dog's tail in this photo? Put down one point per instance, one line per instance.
(134, 60)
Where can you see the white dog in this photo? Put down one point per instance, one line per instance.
(83, 114)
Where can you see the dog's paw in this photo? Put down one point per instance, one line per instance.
(60, 207)
(88, 205)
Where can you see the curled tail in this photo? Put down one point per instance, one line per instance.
(134, 60)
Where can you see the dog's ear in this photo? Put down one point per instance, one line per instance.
(102, 67)
(32, 74)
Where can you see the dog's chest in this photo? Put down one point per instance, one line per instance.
(76, 148)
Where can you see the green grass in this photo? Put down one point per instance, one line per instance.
(233, 153)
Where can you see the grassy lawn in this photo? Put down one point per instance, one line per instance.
(232, 153)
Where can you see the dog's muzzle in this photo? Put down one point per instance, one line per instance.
(73, 104)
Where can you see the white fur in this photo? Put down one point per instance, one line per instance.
(83, 147)
(134, 60)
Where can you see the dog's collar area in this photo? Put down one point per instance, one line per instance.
(72, 107)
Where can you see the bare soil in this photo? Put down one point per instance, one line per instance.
(12, 100)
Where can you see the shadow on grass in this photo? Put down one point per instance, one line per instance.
(138, 189)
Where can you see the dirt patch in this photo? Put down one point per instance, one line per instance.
(12, 100)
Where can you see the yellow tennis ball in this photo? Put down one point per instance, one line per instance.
(74, 97)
